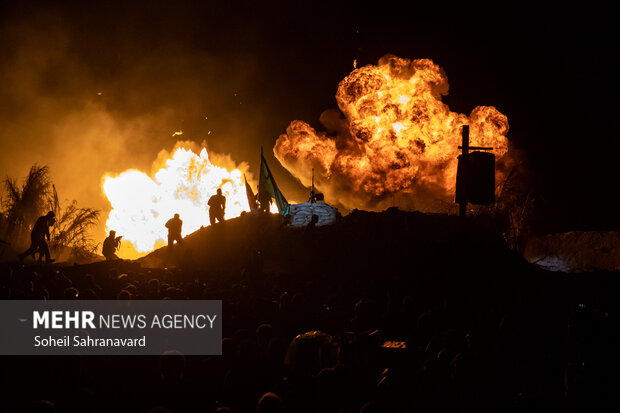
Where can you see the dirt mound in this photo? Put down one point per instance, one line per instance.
(576, 251)
(392, 240)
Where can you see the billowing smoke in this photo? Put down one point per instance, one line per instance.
(393, 142)
(99, 93)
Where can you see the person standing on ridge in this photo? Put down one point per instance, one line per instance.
(264, 200)
(40, 231)
(174, 226)
(217, 207)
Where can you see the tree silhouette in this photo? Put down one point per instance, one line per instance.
(72, 228)
(35, 197)
(25, 203)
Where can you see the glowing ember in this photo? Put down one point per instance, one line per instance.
(397, 136)
(141, 205)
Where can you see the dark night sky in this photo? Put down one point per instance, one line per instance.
(551, 68)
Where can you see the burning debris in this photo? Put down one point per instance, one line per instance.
(396, 142)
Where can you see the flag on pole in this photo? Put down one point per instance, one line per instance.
(250, 194)
(268, 184)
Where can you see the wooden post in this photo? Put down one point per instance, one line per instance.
(312, 198)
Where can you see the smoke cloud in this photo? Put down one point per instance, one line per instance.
(90, 95)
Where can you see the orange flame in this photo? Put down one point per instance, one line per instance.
(141, 205)
(397, 136)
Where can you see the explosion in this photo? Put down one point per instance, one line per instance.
(141, 205)
(396, 137)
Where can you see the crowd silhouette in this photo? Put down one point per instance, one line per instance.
(391, 312)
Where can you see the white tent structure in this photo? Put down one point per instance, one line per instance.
(301, 214)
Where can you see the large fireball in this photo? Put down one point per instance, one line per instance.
(396, 137)
(141, 205)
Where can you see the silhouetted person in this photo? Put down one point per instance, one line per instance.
(264, 200)
(310, 231)
(110, 245)
(217, 207)
(174, 226)
(39, 233)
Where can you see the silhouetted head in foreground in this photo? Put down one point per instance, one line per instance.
(172, 365)
(219, 191)
(270, 403)
(112, 233)
(43, 406)
(177, 216)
